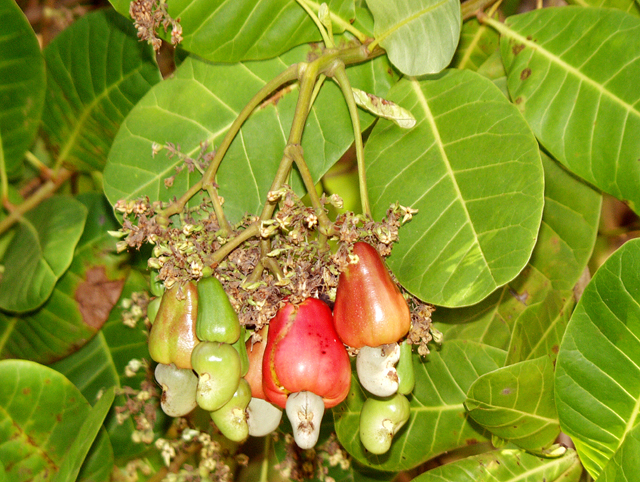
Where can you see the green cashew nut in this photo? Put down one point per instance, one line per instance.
(155, 285)
(406, 374)
(231, 419)
(380, 420)
(217, 320)
(218, 367)
(178, 389)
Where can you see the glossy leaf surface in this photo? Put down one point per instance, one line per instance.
(438, 420)
(565, 242)
(199, 104)
(40, 252)
(471, 167)
(598, 369)
(82, 298)
(97, 70)
(102, 363)
(420, 36)
(22, 85)
(570, 72)
(507, 466)
(42, 416)
(516, 403)
(630, 6)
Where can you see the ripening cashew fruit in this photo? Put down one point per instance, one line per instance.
(217, 320)
(370, 309)
(173, 333)
(231, 418)
(255, 353)
(218, 366)
(304, 354)
(380, 420)
(178, 389)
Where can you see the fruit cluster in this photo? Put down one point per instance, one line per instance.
(301, 365)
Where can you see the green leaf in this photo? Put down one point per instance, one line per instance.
(507, 466)
(420, 36)
(438, 421)
(198, 106)
(97, 70)
(42, 422)
(81, 300)
(629, 6)
(237, 30)
(625, 464)
(40, 253)
(102, 363)
(477, 43)
(569, 71)
(86, 435)
(598, 368)
(565, 242)
(471, 166)
(22, 85)
(516, 404)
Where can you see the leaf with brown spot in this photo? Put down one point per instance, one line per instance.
(73, 314)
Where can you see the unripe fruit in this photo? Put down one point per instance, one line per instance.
(376, 369)
(173, 334)
(263, 417)
(218, 367)
(231, 418)
(404, 368)
(370, 309)
(217, 320)
(304, 353)
(152, 309)
(380, 420)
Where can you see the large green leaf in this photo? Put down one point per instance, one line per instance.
(22, 84)
(86, 434)
(571, 71)
(471, 166)
(507, 466)
(629, 6)
(420, 36)
(81, 300)
(199, 104)
(97, 70)
(477, 43)
(237, 30)
(46, 425)
(101, 363)
(625, 464)
(40, 253)
(598, 368)
(565, 242)
(438, 421)
(516, 403)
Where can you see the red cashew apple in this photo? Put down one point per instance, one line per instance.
(370, 309)
(255, 352)
(304, 353)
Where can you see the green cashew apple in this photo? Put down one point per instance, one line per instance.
(380, 420)
(231, 419)
(218, 366)
(217, 320)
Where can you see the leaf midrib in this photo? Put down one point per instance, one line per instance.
(505, 30)
(434, 128)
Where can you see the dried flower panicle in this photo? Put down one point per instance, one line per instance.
(149, 16)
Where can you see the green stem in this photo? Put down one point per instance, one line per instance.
(4, 182)
(44, 192)
(341, 77)
(217, 207)
(287, 76)
(316, 89)
(328, 41)
(264, 469)
(178, 206)
(37, 164)
(324, 223)
(252, 230)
